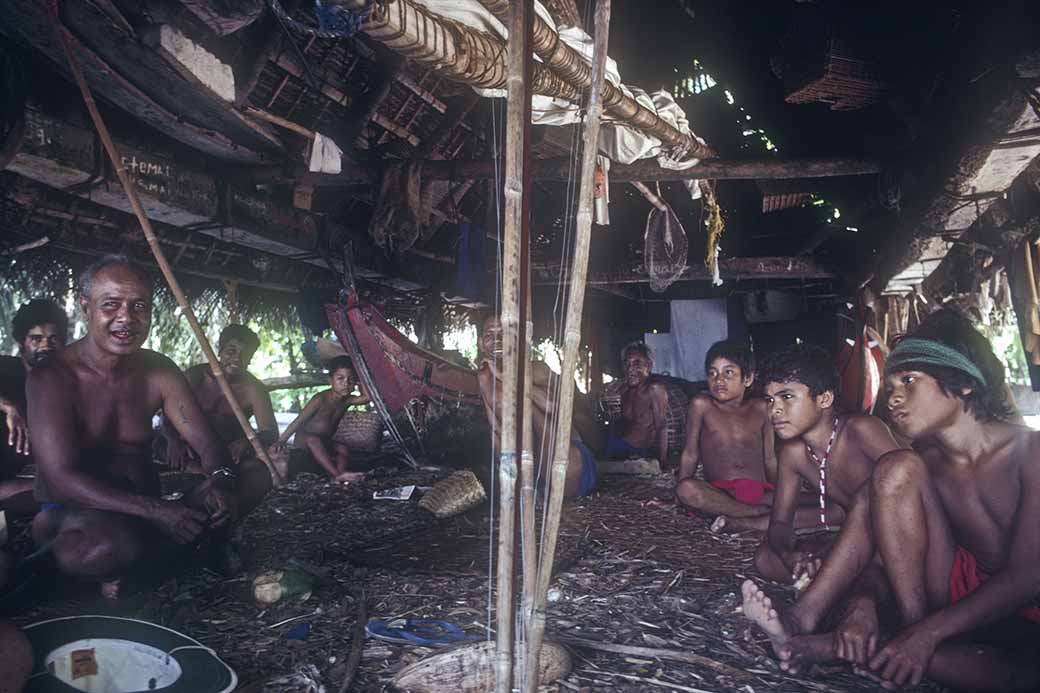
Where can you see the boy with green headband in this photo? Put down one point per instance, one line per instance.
(948, 533)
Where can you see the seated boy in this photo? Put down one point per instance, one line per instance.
(581, 466)
(317, 423)
(818, 448)
(730, 435)
(948, 530)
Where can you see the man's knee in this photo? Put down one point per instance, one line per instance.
(15, 657)
(90, 552)
(898, 471)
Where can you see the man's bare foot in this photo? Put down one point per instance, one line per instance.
(110, 589)
(348, 477)
(759, 608)
(801, 651)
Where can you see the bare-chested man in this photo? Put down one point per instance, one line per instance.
(730, 435)
(91, 410)
(643, 427)
(581, 467)
(818, 448)
(949, 532)
(235, 349)
(40, 328)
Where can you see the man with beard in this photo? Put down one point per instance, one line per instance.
(235, 349)
(643, 427)
(91, 406)
(40, 327)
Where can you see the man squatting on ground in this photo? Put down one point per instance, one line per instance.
(235, 349)
(91, 410)
(318, 421)
(581, 464)
(40, 328)
(818, 448)
(643, 426)
(730, 435)
(948, 532)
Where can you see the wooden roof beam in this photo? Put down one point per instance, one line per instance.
(731, 268)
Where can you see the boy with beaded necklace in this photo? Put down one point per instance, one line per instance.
(829, 453)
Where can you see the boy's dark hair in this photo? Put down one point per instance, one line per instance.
(39, 311)
(986, 401)
(240, 333)
(333, 365)
(734, 351)
(802, 363)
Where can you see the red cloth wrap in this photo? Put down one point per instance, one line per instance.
(748, 491)
(965, 578)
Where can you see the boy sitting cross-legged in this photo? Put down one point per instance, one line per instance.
(730, 436)
(831, 454)
(948, 531)
(317, 423)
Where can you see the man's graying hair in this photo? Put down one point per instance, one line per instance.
(639, 347)
(86, 277)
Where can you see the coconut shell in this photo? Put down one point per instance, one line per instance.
(470, 669)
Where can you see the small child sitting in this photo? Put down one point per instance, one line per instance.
(317, 423)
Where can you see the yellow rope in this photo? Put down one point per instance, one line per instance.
(715, 226)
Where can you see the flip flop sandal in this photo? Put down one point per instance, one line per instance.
(417, 631)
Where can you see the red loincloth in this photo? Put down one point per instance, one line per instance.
(965, 578)
(748, 491)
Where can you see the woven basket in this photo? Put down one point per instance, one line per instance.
(470, 669)
(360, 430)
(454, 495)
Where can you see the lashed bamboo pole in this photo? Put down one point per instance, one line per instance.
(513, 359)
(520, 31)
(571, 341)
(475, 58)
(157, 252)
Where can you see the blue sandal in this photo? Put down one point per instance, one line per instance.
(417, 631)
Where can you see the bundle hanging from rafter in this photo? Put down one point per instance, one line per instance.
(715, 226)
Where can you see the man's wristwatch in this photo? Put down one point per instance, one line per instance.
(225, 474)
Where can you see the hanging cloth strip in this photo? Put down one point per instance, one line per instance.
(822, 464)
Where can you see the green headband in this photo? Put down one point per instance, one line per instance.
(932, 353)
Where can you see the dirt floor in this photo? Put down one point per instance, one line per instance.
(629, 573)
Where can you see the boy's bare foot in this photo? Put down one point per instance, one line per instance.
(801, 651)
(759, 608)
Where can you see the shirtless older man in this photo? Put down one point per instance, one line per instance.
(235, 349)
(40, 328)
(91, 408)
(643, 427)
(581, 467)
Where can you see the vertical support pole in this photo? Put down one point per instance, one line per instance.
(571, 342)
(513, 359)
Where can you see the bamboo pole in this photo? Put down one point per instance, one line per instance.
(571, 341)
(160, 257)
(520, 30)
(510, 443)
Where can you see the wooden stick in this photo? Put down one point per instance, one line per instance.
(512, 358)
(672, 655)
(280, 122)
(357, 644)
(160, 257)
(571, 341)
